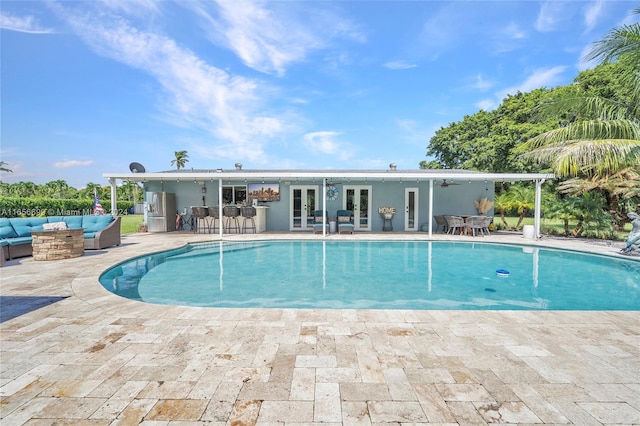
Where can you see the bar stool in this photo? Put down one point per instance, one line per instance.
(248, 213)
(199, 214)
(214, 214)
(232, 213)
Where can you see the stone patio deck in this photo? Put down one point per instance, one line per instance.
(84, 356)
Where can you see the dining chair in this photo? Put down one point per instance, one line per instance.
(475, 224)
(441, 223)
(454, 223)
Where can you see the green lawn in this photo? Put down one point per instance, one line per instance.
(549, 226)
(130, 222)
(556, 227)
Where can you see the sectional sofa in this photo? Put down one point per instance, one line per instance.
(99, 232)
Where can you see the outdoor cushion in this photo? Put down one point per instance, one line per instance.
(344, 219)
(73, 222)
(25, 225)
(96, 223)
(6, 230)
(19, 240)
(89, 235)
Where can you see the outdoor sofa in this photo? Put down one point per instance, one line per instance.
(99, 232)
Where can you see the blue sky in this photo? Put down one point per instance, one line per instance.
(91, 86)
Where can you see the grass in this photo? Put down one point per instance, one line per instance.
(129, 223)
(556, 227)
(549, 226)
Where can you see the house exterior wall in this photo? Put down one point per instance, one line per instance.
(453, 199)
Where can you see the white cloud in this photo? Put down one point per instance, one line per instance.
(486, 104)
(583, 64)
(551, 14)
(481, 84)
(72, 163)
(591, 15)
(513, 31)
(326, 142)
(268, 37)
(133, 7)
(399, 65)
(544, 77)
(322, 142)
(25, 24)
(195, 94)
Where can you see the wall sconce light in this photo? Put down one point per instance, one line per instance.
(204, 189)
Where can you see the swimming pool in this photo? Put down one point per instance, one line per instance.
(378, 275)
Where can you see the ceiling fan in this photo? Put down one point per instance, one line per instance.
(444, 183)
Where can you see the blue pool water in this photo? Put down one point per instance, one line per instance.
(378, 275)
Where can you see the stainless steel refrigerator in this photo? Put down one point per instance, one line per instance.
(161, 211)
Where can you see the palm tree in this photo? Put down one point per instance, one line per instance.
(181, 159)
(522, 198)
(56, 188)
(502, 202)
(3, 168)
(606, 138)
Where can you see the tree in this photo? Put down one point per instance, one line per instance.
(486, 141)
(56, 189)
(564, 209)
(522, 199)
(603, 137)
(3, 168)
(502, 203)
(181, 159)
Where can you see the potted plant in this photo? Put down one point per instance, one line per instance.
(483, 205)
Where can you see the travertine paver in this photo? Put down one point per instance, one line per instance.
(90, 357)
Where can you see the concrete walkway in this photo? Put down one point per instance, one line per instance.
(73, 353)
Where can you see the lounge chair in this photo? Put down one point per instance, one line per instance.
(318, 221)
(344, 222)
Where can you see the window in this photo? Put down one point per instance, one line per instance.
(234, 194)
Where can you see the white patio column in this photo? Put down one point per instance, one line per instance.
(324, 207)
(537, 208)
(430, 206)
(114, 192)
(220, 216)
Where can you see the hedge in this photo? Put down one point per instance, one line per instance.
(28, 207)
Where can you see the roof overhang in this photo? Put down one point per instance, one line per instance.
(330, 175)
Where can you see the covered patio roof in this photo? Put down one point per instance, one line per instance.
(239, 174)
(326, 177)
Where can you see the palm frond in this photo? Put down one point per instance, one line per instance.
(623, 40)
(584, 130)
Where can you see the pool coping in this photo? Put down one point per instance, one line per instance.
(96, 357)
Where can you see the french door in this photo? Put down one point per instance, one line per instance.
(356, 200)
(411, 209)
(304, 201)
